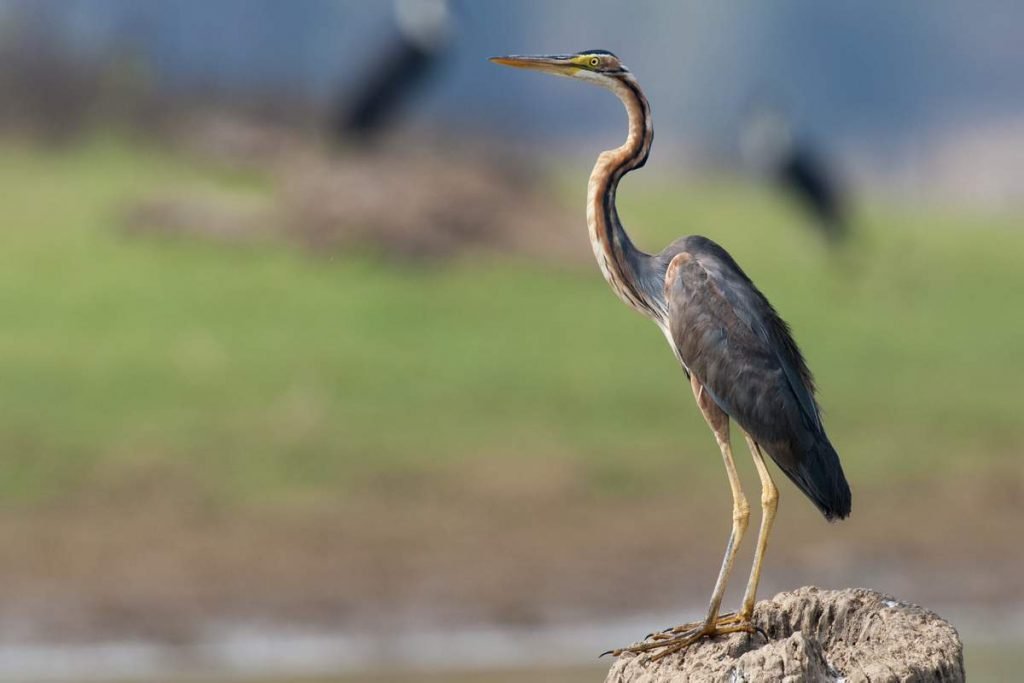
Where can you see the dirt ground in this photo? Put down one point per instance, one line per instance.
(153, 562)
(348, 199)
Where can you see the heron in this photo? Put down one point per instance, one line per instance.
(424, 36)
(802, 170)
(739, 356)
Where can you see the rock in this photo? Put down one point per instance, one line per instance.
(853, 635)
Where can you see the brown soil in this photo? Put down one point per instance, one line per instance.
(404, 199)
(465, 549)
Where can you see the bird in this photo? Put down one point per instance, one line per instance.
(424, 36)
(798, 168)
(739, 356)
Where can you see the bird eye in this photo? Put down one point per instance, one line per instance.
(594, 61)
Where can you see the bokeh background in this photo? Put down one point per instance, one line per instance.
(306, 370)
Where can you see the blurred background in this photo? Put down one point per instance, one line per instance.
(307, 373)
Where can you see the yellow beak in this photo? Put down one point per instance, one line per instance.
(560, 65)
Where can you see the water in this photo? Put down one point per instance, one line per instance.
(994, 651)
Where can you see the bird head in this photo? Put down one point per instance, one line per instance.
(596, 66)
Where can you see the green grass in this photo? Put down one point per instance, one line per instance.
(267, 374)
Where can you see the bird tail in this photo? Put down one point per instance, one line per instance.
(819, 474)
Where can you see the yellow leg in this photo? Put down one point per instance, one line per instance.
(676, 639)
(769, 504)
(719, 423)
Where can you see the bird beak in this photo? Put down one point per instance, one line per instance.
(559, 65)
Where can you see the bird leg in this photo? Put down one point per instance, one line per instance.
(769, 504)
(675, 639)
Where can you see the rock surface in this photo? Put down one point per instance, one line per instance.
(853, 635)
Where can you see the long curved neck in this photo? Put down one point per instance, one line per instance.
(625, 267)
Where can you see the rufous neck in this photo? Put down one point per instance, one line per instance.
(621, 263)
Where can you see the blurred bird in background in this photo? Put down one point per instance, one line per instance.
(424, 35)
(803, 171)
(738, 354)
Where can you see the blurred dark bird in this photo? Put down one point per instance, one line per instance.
(423, 37)
(798, 168)
(736, 351)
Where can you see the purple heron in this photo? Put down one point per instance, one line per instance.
(737, 353)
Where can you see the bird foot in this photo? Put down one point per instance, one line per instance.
(677, 638)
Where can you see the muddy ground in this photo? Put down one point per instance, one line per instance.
(517, 549)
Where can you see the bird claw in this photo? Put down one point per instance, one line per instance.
(678, 638)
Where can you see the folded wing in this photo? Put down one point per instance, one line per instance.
(742, 352)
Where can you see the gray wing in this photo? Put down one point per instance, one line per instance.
(742, 352)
